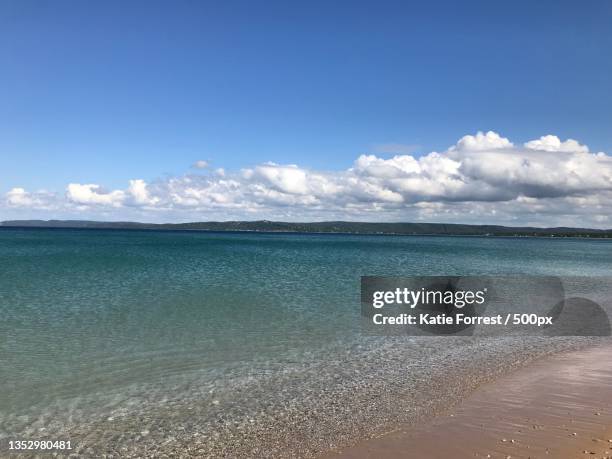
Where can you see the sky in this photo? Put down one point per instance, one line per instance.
(475, 112)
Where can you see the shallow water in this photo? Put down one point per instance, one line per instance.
(96, 321)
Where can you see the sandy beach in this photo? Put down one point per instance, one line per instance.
(557, 407)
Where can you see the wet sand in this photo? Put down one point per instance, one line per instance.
(558, 407)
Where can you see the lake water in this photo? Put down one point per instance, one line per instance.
(92, 318)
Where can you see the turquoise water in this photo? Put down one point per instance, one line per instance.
(91, 312)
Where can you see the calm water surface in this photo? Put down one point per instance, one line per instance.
(94, 311)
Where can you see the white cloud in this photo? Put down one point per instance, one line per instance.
(489, 141)
(483, 178)
(553, 143)
(139, 192)
(20, 198)
(398, 166)
(92, 194)
(285, 179)
(201, 164)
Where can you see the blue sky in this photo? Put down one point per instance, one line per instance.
(105, 92)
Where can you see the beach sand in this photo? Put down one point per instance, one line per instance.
(558, 407)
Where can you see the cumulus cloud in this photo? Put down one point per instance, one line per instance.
(285, 179)
(482, 178)
(20, 198)
(140, 194)
(553, 143)
(482, 141)
(93, 194)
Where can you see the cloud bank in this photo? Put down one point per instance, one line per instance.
(483, 178)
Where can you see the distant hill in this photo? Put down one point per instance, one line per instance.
(324, 227)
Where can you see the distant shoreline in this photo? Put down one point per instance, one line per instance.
(322, 228)
(308, 233)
